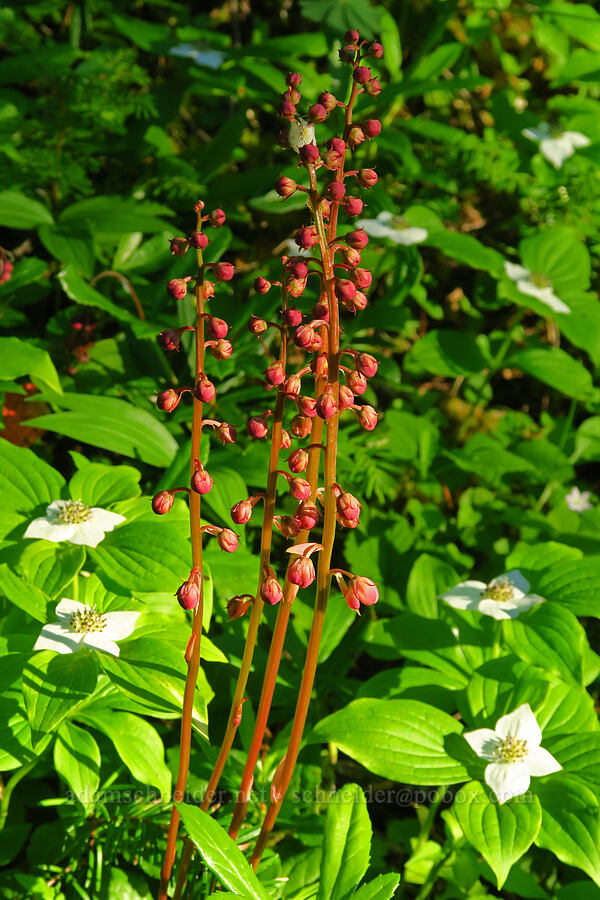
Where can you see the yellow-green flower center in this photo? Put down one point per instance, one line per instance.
(511, 749)
(540, 280)
(84, 621)
(74, 512)
(501, 591)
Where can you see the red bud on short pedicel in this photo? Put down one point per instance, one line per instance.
(301, 572)
(217, 328)
(177, 287)
(300, 426)
(201, 481)
(241, 512)
(307, 514)
(367, 178)
(168, 400)
(358, 239)
(188, 594)
(227, 540)
(361, 74)
(361, 590)
(357, 382)
(205, 390)
(162, 502)
(366, 364)
(270, 591)
(285, 187)
(256, 325)
(199, 240)
(367, 417)
(298, 461)
(217, 218)
(224, 271)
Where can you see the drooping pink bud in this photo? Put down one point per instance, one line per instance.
(357, 382)
(301, 572)
(347, 53)
(261, 285)
(285, 187)
(217, 328)
(344, 289)
(375, 50)
(293, 80)
(299, 488)
(239, 605)
(162, 502)
(319, 366)
(168, 400)
(367, 417)
(307, 514)
(241, 512)
(306, 237)
(208, 290)
(292, 316)
(362, 278)
(257, 426)
(256, 325)
(366, 364)
(373, 87)
(226, 432)
(300, 426)
(353, 206)
(351, 257)
(179, 246)
(352, 36)
(275, 374)
(297, 267)
(358, 239)
(309, 154)
(367, 178)
(287, 110)
(296, 286)
(227, 540)
(307, 406)
(358, 303)
(361, 74)
(286, 440)
(356, 136)
(361, 590)
(170, 339)
(317, 113)
(177, 287)
(304, 336)
(201, 481)
(346, 397)
(347, 506)
(293, 385)
(320, 311)
(188, 594)
(372, 127)
(326, 406)
(221, 349)
(335, 149)
(199, 240)
(217, 218)
(224, 271)
(336, 190)
(328, 101)
(205, 390)
(287, 525)
(270, 591)
(298, 461)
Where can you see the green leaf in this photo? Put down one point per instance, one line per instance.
(549, 637)
(137, 743)
(448, 353)
(144, 556)
(49, 567)
(25, 480)
(99, 485)
(467, 250)
(570, 822)
(18, 358)
(19, 211)
(346, 844)
(578, 753)
(72, 245)
(53, 686)
(502, 833)
(428, 641)
(434, 63)
(587, 440)
(567, 710)
(23, 594)
(77, 761)
(560, 255)
(229, 487)
(428, 578)
(220, 853)
(404, 740)
(574, 583)
(81, 292)
(555, 368)
(380, 888)
(113, 425)
(116, 215)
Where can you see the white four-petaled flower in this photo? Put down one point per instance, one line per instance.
(513, 752)
(394, 228)
(505, 597)
(73, 521)
(578, 501)
(537, 285)
(80, 626)
(300, 133)
(558, 147)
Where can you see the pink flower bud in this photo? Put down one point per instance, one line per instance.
(357, 382)
(285, 187)
(309, 154)
(177, 287)
(307, 514)
(316, 344)
(293, 385)
(362, 278)
(351, 37)
(367, 417)
(367, 178)
(205, 390)
(201, 481)
(344, 289)
(227, 540)
(296, 286)
(335, 149)
(372, 127)
(168, 400)
(351, 257)
(328, 101)
(221, 349)
(317, 113)
(361, 590)
(6, 269)
(275, 374)
(346, 397)
(358, 239)
(292, 95)
(293, 80)
(307, 406)
(357, 304)
(256, 325)
(301, 572)
(326, 405)
(209, 290)
(292, 316)
(300, 426)
(217, 328)
(319, 366)
(270, 591)
(226, 432)
(320, 311)
(199, 240)
(238, 606)
(366, 364)
(188, 594)
(179, 246)
(288, 526)
(373, 87)
(241, 512)
(298, 269)
(224, 271)
(287, 110)
(162, 502)
(257, 427)
(286, 440)
(299, 488)
(170, 339)
(356, 136)
(306, 237)
(361, 74)
(353, 206)
(325, 208)
(347, 53)
(304, 335)
(298, 461)
(217, 218)
(375, 50)
(336, 190)
(347, 506)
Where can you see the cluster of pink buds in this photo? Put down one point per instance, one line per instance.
(6, 267)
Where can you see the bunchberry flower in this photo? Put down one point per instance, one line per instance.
(73, 521)
(559, 147)
(578, 501)
(505, 597)
(80, 626)
(514, 753)
(535, 284)
(394, 228)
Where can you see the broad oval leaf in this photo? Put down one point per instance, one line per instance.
(346, 843)
(570, 822)
(19, 211)
(77, 761)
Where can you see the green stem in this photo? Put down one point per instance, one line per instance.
(431, 879)
(431, 814)
(564, 434)
(8, 790)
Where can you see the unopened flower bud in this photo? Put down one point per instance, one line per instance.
(299, 488)
(300, 426)
(286, 440)
(367, 178)
(358, 239)
(162, 502)
(362, 278)
(353, 206)
(179, 246)
(328, 101)
(351, 37)
(335, 149)
(320, 311)
(298, 269)
(361, 74)
(292, 317)
(309, 154)
(170, 339)
(227, 540)
(357, 382)
(367, 417)
(366, 364)
(217, 218)
(296, 286)
(288, 526)
(344, 289)
(316, 344)
(177, 287)
(306, 237)
(287, 110)
(298, 461)
(199, 240)
(307, 514)
(357, 304)
(301, 572)
(293, 385)
(168, 400)
(257, 427)
(256, 325)
(304, 335)
(336, 190)
(356, 136)
(307, 406)
(361, 590)
(293, 80)
(224, 271)
(325, 206)
(205, 390)
(188, 594)
(372, 127)
(208, 290)
(221, 349)
(217, 328)
(317, 113)
(293, 95)
(326, 406)
(201, 481)
(346, 397)
(347, 506)
(375, 50)
(241, 512)
(351, 257)
(373, 87)
(226, 432)
(347, 53)
(239, 605)
(275, 374)
(319, 366)
(270, 591)
(285, 187)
